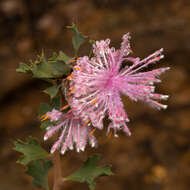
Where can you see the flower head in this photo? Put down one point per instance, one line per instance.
(98, 82)
(72, 130)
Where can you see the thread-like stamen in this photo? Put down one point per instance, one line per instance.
(64, 107)
(72, 61)
(77, 68)
(91, 132)
(69, 111)
(71, 91)
(44, 117)
(85, 124)
(69, 77)
(68, 116)
(93, 101)
(110, 134)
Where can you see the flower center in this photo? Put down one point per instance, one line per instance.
(108, 81)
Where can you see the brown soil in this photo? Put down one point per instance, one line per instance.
(157, 155)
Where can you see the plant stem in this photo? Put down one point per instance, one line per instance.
(57, 172)
(58, 179)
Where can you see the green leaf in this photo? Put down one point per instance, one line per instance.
(89, 171)
(52, 91)
(78, 38)
(39, 171)
(56, 103)
(23, 68)
(53, 69)
(63, 57)
(45, 69)
(44, 108)
(31, 151)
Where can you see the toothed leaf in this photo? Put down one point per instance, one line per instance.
(89, 171)
(52, 91)
(30, 150)
(63, 57)
(23, 68)
(78, 38)
(39, 171)
(44, 108)
(46, 68)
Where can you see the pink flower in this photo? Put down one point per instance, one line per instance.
(97, 84)
(72, 130)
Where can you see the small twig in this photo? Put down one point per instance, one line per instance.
(58, 179)
(57, 172)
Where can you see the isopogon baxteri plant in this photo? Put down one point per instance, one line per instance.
(84, 90)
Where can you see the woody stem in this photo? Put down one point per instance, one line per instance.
(57, 171)
(58, 179)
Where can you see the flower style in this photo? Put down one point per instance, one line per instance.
(72, 129)
(97, 83)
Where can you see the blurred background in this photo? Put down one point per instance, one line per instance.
(157, 155)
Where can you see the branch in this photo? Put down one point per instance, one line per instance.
(58, 179)
(57, 172)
